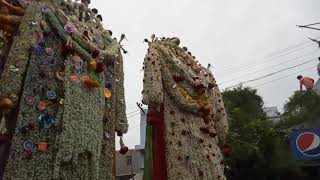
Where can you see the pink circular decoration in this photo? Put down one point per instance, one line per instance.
(85, 78)
(50, 51)
(70, 28)
(74, 79)
(29, 100)
(41, 105)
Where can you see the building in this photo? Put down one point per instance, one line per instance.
(272, 113)
(131, 165)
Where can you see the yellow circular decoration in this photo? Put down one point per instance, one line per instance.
(107, 93)
(6, 105)
(92, 66)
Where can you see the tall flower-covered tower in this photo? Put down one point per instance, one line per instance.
(187, 123)
(61, 91)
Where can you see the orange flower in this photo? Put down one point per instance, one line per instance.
(43, 146)
(92, 66)
(91, 83)
(107, 93)
(76, 58)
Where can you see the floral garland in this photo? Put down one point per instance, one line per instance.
(183, 92)
(92, 73)
(193, 113)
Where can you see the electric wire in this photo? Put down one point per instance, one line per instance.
(270, 74)
(261, 60)
(283, 77)
(269, 67)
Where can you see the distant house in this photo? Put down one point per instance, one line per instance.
(131, 165)
(272, 113)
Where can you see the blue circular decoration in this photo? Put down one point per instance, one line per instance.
(37, 49)
(189, 135)
(108, 85)
(28, 145)
(51, 95)
(42, 42)
(46, 120)
(45, 9)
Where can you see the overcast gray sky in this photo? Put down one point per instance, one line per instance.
(225, 33)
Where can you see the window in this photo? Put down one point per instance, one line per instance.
(129, 160)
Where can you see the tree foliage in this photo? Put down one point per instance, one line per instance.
(260, 150)
(302, 106)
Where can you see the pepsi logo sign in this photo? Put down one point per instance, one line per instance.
(308, 144)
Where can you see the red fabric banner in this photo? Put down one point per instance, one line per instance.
(158, 142)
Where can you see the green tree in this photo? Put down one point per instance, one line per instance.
(302, 106)
(260, 151)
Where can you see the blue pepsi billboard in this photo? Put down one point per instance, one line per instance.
(305, 144)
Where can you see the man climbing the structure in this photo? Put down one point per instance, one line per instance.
(306, 82)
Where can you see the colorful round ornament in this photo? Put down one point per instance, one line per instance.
(60, 75)
(92, 65)
(189, 135)
(76, 58)
(41, 106)
(45, 9)
(107, 93)
(108, 85)
(37, 49)
(84, 78)
(29, 100)
(70, 28)
(28, 145)
(50, 51)
(43, 146)
(51, 95)
(74, 79)
(6, 104)
(46, 121)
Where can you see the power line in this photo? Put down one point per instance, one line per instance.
(266, 58)
(133, 115)
(283, 77)
(244, 75)
(133, 112)
(312, 24)
(267, 75)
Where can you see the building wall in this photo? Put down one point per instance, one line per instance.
(124, 171)
(143, 124)
(124, 167)
(272, 113)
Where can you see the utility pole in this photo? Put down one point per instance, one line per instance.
(308, 26)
